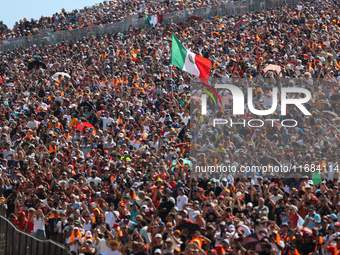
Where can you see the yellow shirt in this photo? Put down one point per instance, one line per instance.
(221, 150)
(73, 122)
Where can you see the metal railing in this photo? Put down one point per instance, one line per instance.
(228, 8)
(16, 242)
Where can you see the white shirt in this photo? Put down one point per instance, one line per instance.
(135, 144)
(278, 250)
(130, 223)
(106, 138)
(107, 121)
(109, 252)
(218, 237)
(87, 226)
(190, 212)
(186, 120)
(96, 180)
(110, 218)
(74, 247)
(60, 226)
(144, 233)
(276, 198)
(38, 224)
(8, 152)
(32, 124)
(181, 201)
(246, 230)
(154, 144)
(101, 246)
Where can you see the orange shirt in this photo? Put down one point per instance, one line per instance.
(73, 122)
(153, 233)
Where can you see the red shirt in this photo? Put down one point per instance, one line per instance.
(122, 214)
(15, 222)
(30, 225)
(284, 236)
(162, 176)
(295, 219)
(69, 188)
(173, 185)
(22, 224)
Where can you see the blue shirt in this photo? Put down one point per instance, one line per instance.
(76, 205)
(311, 224)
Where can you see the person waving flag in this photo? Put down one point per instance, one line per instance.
(189, 62)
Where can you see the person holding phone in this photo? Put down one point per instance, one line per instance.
(74, 242)
(86, 248)
(39, 224)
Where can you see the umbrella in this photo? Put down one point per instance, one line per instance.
(305, 230)
(100, 112)
(324, 54)
(254, 239)
(81, 125)
(37, 63)
(331, 113)
(191, 226)
(56, 75)
(193, 18)
(241, 23)
(272, 67)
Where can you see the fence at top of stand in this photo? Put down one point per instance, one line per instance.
(228, 8)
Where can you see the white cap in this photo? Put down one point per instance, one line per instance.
(310, 182)
(158, 235)
(250, 204)
(195, 214)
(231, 228)
(158, 251)
(121, 135)
(88, 234)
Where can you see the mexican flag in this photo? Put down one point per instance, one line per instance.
(152, 21)
(188, 61)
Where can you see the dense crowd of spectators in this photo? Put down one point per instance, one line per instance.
(101, 138)
(103, 13)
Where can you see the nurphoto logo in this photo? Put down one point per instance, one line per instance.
(239, 106)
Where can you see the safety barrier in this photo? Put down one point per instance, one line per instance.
(228, 8)
(16, 242)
